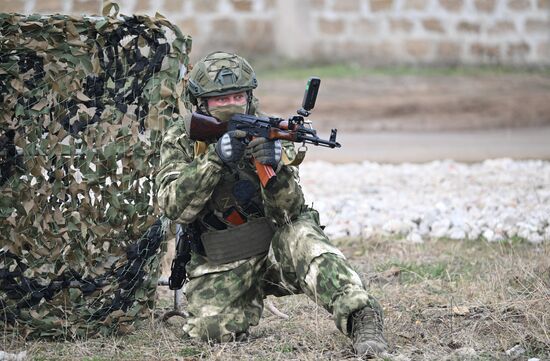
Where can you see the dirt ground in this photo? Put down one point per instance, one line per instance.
(443, 300)
(417, 103)
(395, 119)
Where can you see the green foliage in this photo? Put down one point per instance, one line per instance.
(190, 351)
(414, 272)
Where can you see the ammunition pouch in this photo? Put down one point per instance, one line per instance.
(250, 239)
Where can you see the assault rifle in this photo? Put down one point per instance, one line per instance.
(295, 129)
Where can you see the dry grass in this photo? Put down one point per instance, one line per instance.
(443, 300)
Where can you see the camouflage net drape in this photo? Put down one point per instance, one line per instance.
(83, 102)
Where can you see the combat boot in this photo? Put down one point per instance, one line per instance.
(242, 336)
(367, 326)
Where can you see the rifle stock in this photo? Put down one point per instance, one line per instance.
(204, 127)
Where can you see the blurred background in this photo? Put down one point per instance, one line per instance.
(402, 80)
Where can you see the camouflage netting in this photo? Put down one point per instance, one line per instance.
(83, 102)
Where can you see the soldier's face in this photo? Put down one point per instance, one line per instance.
(230, 99)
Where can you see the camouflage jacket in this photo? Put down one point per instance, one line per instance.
(195, 186)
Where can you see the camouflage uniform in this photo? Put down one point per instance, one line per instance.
(224, 300)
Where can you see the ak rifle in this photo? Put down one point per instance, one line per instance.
(295, 129)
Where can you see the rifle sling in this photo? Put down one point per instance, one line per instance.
(244, 241)
(297, 159)
(200, 147)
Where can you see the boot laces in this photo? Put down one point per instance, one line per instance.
(368, 325)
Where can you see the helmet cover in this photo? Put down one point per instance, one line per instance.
(220, 73)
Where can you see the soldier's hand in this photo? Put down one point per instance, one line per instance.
(266, 151)
(231, 146)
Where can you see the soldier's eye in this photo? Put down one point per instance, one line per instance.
(239, 99)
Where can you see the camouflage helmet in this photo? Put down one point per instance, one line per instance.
(220, 73)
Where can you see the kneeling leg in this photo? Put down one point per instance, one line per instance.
(224, 304)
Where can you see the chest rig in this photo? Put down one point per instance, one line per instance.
(236, 198)
(233, 225)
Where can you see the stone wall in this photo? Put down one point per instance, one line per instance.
(513, 32)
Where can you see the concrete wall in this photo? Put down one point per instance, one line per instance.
(513, 32)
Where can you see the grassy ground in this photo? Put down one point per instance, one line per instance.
(304, 71)
(443, 300)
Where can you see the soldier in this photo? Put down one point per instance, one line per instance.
(250, 242)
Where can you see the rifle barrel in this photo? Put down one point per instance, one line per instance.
(319, 141)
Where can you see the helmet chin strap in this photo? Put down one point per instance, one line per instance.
(249, 98)
(202, 106)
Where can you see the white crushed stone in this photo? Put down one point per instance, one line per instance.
(7, 356)
(495, 200)
(515, 352)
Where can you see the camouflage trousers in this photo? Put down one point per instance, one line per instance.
(224, 300)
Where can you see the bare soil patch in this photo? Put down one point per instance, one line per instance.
(417, 103)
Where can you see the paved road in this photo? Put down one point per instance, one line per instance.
(467, 146)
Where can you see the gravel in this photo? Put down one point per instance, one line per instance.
(494, 200)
